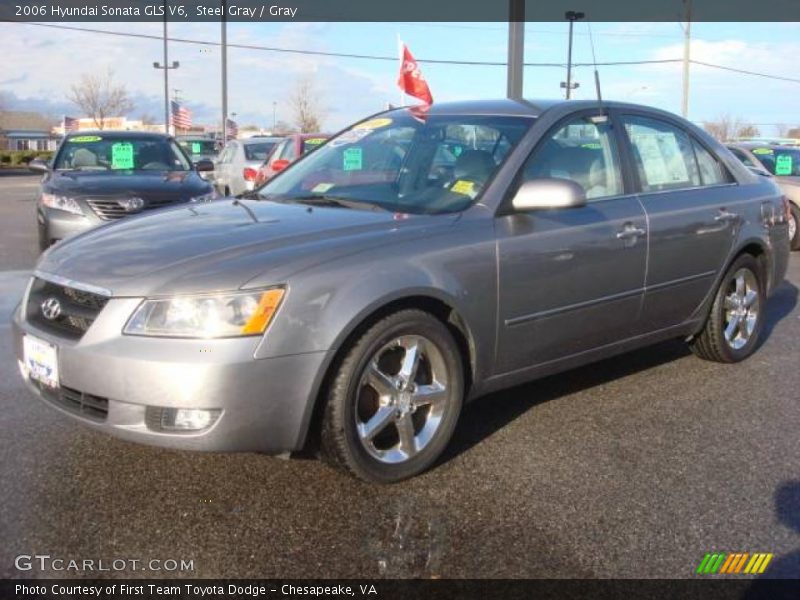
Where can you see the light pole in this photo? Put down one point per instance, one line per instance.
(224, 74)
(274, 109)
(571, 16)
(167, 67)
(687, 42)
(516, 48)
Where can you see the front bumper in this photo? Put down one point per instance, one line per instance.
(265, 404)
(57, 225)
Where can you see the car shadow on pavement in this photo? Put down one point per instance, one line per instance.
(786, 567)
(487, 414)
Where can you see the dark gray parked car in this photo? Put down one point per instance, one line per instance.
(413, 262)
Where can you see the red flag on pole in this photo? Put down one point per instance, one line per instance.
(411, 80)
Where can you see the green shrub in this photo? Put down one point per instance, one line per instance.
(17, 158)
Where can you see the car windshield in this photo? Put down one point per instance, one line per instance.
(101, 153)
(780, 161)
(198, 147)
(431, 165)
(258, 151)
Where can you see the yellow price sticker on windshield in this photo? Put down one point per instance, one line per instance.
(373, 124)
(464, 187)
(321, 188)
(85, 138)
(763, 151)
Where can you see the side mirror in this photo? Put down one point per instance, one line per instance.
(37, 165)
(280, 164)
(543, 194)
(204, 165)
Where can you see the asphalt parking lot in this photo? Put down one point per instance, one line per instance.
(633, 467)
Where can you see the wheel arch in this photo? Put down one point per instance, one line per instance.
(430, 301)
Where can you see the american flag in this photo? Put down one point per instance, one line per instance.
(71, 124)
(232, 129)
(181, 116)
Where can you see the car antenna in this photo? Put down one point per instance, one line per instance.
(602, 116)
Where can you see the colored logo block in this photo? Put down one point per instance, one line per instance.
(733, 563)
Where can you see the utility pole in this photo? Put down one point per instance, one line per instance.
(167, 67)
(687, 43)
(571, 16)
(516, 48)
(274, 109)
(224, 73)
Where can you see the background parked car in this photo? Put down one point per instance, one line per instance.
(783, 163)
(289, 150)
(106, 175)
(236, 167)
(199, 148)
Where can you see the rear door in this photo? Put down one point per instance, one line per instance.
(571, 279)
(691, 205)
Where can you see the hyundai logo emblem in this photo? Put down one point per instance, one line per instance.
(131, 204)
(51, 309)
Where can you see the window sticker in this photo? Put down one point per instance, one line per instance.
(350, 137)
(314, 141)
(197, 148)
(122, 155)
(457, 150)
(352, 159)
(661, 157)
(85, 138)
(373, 124)
(321, 188)
(783, 164)
(464, 187)
(763, 151)
(592, 145)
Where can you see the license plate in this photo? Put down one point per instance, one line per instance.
(41, 360)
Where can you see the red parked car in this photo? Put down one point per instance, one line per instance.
(287, 151)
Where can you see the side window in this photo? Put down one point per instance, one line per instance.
(711, 171)
(288, 150)
(582, 151)
(663, 154)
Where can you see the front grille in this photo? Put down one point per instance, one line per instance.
(78, 308)
(109, 209)
(82, 404)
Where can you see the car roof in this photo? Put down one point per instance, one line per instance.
(750, 145)
(525, 107)
(259, 140)
(115, 134)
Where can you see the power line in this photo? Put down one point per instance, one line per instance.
(394, 58)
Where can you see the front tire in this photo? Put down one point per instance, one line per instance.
(794, 228)
(394, 399)
(737, 315)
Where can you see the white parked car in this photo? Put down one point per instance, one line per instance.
(236, 167)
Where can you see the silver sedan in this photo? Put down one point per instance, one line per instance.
(414, 262)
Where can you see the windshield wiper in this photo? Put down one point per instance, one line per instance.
(335, 201)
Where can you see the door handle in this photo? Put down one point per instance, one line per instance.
(630, 231)
(724, 216)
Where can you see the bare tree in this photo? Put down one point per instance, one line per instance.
(99, 97)
(282, 127)
(306, 111)
(725, 128)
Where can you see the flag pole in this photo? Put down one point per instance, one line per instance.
(400, 55)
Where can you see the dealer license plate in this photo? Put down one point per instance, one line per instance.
(41, 360)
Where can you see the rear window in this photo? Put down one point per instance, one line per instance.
(310, 144)
(198, 147)
(258, 151)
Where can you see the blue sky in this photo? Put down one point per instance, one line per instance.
(40, 63)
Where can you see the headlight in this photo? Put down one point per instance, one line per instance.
(212, 195)
(64, 203)
(206, 316)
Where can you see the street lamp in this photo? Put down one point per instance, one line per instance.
(274, 109)
(570, 16)
(167, 67)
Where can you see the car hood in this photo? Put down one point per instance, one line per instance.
(110, 183)
(224, 244)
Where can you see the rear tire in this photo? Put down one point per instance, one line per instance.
(794, 218)
(394, 399)
(737, 315)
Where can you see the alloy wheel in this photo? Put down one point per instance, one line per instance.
(401, 398)
(742, 307)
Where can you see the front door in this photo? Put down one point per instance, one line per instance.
(571, 279)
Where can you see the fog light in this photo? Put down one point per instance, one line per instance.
(188, 419)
